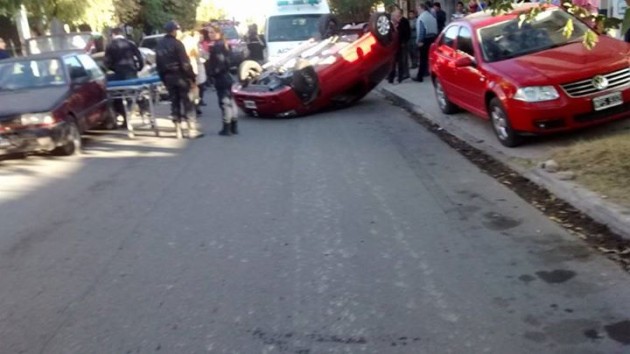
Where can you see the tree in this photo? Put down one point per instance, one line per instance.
(356, 10)
(207, 10)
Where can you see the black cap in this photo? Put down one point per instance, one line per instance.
(171, 26)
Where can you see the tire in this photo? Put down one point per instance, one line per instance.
(328, 26)
(381, 27)
(248, 71)
(501, 125)
(73, 145)
(446, 106)
(305, 81)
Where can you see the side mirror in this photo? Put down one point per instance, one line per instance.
(464, 61)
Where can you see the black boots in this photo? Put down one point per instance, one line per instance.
(226, 130)
(229, 128)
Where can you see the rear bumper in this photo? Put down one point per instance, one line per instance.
(39, 139)
(281, 103)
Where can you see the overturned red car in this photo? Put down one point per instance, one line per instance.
(338, 69)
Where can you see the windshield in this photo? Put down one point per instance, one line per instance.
(292, 28)
(507, 40)
(28, 74)
(230, 33)
(62, 42)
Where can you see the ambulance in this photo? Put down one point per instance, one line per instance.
(291, 22)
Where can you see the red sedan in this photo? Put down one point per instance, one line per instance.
(337, 70)
(530, 79)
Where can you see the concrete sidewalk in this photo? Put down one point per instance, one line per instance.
(419, 97)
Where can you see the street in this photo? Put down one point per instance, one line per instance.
(348, 231)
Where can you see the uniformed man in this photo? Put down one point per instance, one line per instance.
(123, 57)
(175, 70)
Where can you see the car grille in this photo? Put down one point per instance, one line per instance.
(606, 113)
(615, 79)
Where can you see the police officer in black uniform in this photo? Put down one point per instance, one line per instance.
(173, 66)
(125, 60)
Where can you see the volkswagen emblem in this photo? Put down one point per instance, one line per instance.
(600, 82)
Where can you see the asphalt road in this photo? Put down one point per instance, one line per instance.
(344, 232)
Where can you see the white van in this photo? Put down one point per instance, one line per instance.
(291, 22)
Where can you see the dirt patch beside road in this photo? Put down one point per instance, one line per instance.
(602, 165)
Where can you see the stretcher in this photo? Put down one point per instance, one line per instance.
(134, 90)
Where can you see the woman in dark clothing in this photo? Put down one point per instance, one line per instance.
(255, 44)
(219, 70)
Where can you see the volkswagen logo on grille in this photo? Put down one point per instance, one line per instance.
(600, 82)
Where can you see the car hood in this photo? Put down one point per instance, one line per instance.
(565, 64)
(30, 101)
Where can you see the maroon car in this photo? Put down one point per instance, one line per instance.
(339, 69)
(48, 100)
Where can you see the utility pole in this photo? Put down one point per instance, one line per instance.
(23, 29)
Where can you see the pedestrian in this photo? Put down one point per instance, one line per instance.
(205, 44)
(473, 6)
(412, 46)
(175, 70)
(4, 53)
(219, 69)
(255, 44)
(459, 11)
(123, 57)
(192, 44)
(440, 16)
(627, 36)
(426, 26)
(401, 63)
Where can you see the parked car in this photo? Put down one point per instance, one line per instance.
(530, 79)
(87, 42)
(151, 41)
(338, 69)
(48, 100)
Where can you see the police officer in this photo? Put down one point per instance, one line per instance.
(219, 69)
(175, 70)
(125, 60)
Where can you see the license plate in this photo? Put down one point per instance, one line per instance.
(250, 104)
(607, 101)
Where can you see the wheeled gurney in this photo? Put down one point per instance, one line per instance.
(135, 90)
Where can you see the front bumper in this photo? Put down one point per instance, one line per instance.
(565, 113)
(36, 139)
(280, 103)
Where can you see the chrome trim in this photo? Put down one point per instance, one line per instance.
(616, 80)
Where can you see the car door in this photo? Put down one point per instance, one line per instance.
(79, 100)
(97, 87)
(470, 82)
(445, 58)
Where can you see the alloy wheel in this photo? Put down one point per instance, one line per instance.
(499, 121)
(382, 25)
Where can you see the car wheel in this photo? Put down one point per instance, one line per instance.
(249, 70)
(304, 81)
(502, 126)
(381, 27)
(73, 143)
(446, 106)
(328, 26)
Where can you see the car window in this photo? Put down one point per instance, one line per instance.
(448, 39)
(230, 33)
(290, 28)
(464, 41)
(75, 69)
(510, 39)
(90, 66)
(150, 42)
(31, 73)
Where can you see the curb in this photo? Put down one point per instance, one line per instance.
(615, 217)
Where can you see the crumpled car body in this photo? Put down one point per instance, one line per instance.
(337, 70)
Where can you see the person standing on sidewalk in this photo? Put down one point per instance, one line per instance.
(459, 11)
(401, 63)
(175, 71)
(426, 26)
(440, 16)
(413, 47)
(219, 69)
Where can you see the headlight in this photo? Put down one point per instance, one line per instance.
(536, 94)
(37, 118)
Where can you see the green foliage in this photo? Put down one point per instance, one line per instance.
(208, 10)
(67, 11)
(599, 23)
(9, 7)
(356, 10)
